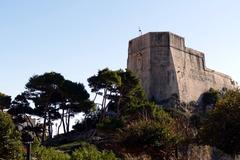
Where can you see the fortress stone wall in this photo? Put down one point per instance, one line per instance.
(166, 66)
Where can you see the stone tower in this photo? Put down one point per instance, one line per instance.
(166, 67)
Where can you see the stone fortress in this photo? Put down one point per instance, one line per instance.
(166, 66)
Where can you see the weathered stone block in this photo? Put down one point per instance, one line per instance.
(166, 66)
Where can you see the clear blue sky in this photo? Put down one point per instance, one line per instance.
(79, 37)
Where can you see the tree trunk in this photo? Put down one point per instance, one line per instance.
(63, 122)
(68, 121)
(103, 106)
(59, 126)
(31, 125)
(95, 97)
(29, 121)
(118, 106)
(49, 128)
(44, 127)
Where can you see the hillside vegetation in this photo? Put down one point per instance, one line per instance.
(119, 123)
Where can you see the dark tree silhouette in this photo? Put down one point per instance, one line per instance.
(41, 89)
(55, 98)
(119, 89)
(19, 109)
(222, 127)
(5, 101)
(75, 99)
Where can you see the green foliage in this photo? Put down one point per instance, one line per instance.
(210, 97)
(5, 101)
(90, 152)
(120, 88)
(55, 98)
(149, 134)
(196, 120)
(130, 90)
(105, 79)
(150, 137)
(110, 123)
(89, 122)
(137, 157)
(20, 106)
(70, 147)
(20, 110)
(76, 95)
(151, 130)
(150, 111)
(222, 127)
(10, 145)
(120, 91)
(43, 91)
(44, 153)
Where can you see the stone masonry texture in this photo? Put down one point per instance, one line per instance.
(166, 66)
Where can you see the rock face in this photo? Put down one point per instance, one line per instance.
(166, 66)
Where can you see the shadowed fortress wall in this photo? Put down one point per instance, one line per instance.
(166, 67)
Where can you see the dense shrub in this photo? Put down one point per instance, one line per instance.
(90, 152)
(110, 123)
(222, 127)
(11, 147)
(137, 157)
(89, 122)
(149, 134)
(150, 111)
(150, 130)
(44, 153)
(210, 97)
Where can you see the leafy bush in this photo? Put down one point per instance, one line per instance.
(150, 130)
(90, 152)
(87, 123)
(149, 134)
(150, 111)
(210, 97)
(44, 153)
(110, 123)
(137, 157)
(222, 127)
(10, 145)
